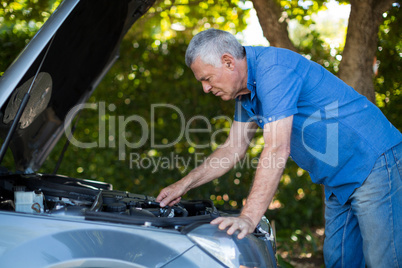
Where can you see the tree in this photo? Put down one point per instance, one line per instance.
(356, 67)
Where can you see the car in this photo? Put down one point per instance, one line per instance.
(49, 220)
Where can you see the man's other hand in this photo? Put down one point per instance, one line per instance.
(171, 195)
(241, 223)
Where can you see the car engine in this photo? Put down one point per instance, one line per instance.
(56, 195)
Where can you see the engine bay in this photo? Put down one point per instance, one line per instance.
(61, 196)
(71, 198)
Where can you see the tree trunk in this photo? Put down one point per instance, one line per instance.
(356, 67)
(273, 23)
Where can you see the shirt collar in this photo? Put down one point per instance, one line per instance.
(251, 82)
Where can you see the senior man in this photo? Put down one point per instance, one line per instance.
(336, 134)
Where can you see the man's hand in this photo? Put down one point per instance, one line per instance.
(242, 223)
(171, 195)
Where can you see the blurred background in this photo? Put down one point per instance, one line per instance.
(360, 41)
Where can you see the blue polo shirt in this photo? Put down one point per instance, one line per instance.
(337, 134)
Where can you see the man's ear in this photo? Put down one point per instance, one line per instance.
(228, 61)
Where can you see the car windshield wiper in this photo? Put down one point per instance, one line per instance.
(21, 108)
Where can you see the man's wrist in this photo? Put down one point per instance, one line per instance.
(190, 180)
(255, 220)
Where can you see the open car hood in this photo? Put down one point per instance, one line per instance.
(62, 65)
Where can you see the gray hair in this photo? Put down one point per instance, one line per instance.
(210, 45)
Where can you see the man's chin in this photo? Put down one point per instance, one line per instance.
(226, 97)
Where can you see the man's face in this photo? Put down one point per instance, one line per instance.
(221, 81)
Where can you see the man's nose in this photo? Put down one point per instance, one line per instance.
(206, 87)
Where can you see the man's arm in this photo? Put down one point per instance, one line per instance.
(269, 171)
(233, 149)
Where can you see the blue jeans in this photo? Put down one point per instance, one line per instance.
(367, 230)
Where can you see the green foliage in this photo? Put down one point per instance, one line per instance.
(295, 192)
(388, 82)
(19, 21)
(311, 37)
(302, 10)
(301, 240)
(183, 18)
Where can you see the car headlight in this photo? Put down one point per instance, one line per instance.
(264, 228)
(231, 251)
